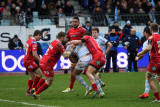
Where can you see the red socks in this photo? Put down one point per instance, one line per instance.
(157, 95)
(30, 82)
(72, 82)
(94, 86)
(42, 81)
(42, 88)
(36, 80)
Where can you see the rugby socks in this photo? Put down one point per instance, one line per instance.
(81, 80)
(147, 87)
(72, 82)
(98, 85)
(100, 81)
(94, 86)
(36, 80)
(157, 95)
(42, 88)
(42, 81)
(30, 82)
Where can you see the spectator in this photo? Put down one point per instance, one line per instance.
(15, 43)
(152, 12)
(22, 18)
(9, 3)
(13, 14)
(158, 7)
(59, 5)
(31, 4)
(131, 11)
(52, 9)
(131, 43)
(148, 7)
(6, 13)
(17, 2)
(93, 6)
(29, 15)
(69, 9)
(124, 8)
(43, 11)
(87, 26)
(115, 26)
(58, 14)
(114, 39)
(126, 29)
(98, 4)
(140, 11)
(2, 8)
(17, 15)
(120, 34)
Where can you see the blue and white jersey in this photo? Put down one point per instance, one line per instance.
(145, 45)
(80, 50)
(102, 42)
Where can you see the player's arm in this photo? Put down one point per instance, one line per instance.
(66, 54)
(75, 42)
(34, 53)
(109, 46)
(147, 49)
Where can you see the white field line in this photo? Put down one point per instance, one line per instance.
(26, 103)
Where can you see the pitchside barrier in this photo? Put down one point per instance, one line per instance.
(11, 61)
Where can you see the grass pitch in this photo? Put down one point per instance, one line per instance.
(121, 90)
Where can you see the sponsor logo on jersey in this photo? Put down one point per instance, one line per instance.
(34, 42)
(74, 36)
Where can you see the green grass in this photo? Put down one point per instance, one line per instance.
(121, 90)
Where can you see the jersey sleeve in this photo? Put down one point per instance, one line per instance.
(61, 48)
(34, 46)
(84, 39)
(104, 41)
(83, 30)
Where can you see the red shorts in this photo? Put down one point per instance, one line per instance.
(30, 65)
(153, 67)
(98, 61)
(47, 70)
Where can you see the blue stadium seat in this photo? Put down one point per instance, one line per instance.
(35, 14)
(46, 22)
(5, 22)
(30, 25)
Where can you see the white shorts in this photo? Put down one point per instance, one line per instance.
(83, 62)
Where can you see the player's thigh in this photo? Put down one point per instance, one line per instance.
(76, 72)
(83, 62)
(38, 72)
(151, 76)
(91, 70)
(32, 75)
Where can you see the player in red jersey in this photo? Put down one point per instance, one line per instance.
(153, 68)
(29, 63)
(75, 33)
(98, 59)
(48, 61)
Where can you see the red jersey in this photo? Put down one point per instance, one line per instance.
(92, 45)
(53, 53)
(75, 33)
(31, 45)
(155, 51)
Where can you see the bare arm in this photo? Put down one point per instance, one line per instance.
(66, 54)
(109, 46)
(75, 42)
(34, 53)
(143, 52)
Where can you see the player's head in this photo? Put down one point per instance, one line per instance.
(62, 37)
(95, 32)
(75, 22)
(154, 27)
(87, 34)
(147, 33)
(133, 31)
(37, 35)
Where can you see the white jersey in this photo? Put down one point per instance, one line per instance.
(80, 50)
(102, 42)
(145, 45)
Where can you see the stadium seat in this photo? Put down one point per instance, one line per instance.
(46, 22)
(139, 35)
(5, 22)
(30, 25)
(35, 14)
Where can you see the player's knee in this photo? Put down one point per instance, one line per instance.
(150, 75)
(49, 82)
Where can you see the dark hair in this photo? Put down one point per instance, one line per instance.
(15, 36)
(76, 18)
(95, 29)
(119, 29)
(87, 33)
(61, 34)
(87, 22)
(154, 27)
(147, 30)
(115, 21)
(36, 32)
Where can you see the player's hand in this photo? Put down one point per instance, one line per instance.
(137, 49)
(68, 43)
(125, 47)
(73, 46)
